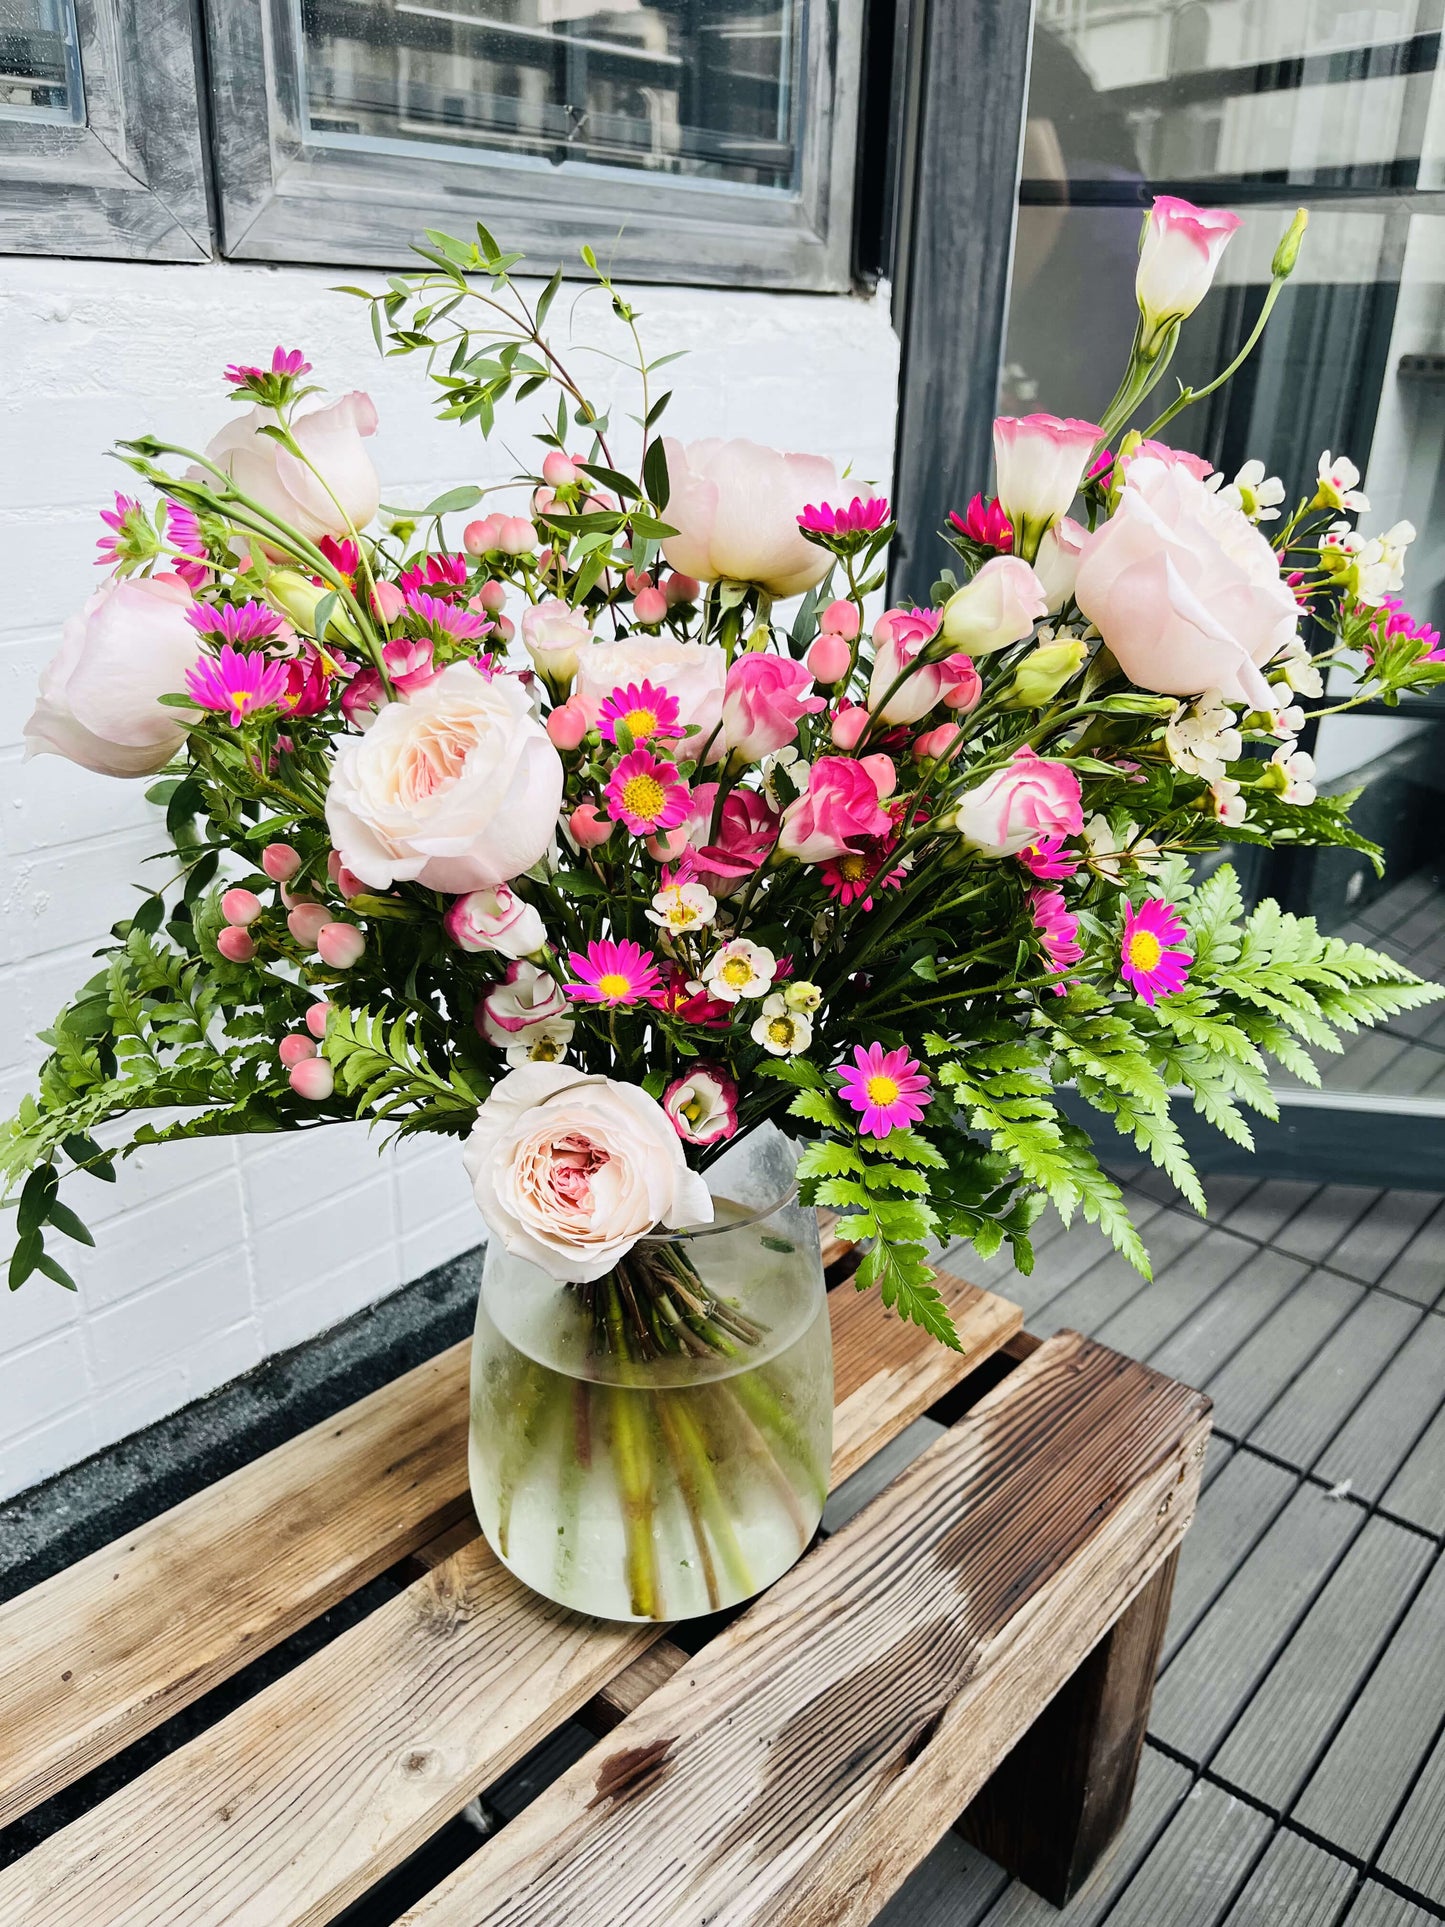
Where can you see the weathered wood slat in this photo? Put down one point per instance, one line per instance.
(795, 1770)
(293, 1805)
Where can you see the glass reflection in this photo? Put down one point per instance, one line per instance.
(40, 62)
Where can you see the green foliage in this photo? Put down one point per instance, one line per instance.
(381, 1065)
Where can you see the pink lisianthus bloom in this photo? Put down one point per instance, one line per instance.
(984, 523)
(735, 506)
(861, 516)
(1040, 461)
(1058, 930)
(1048, 858)
(237, 684)
(899, 637)
(1178, 259)
(1056, 566)
(1029, 798)
(837, 813)
(410, 663)
(526, 999)
(646, 794)
(614, 973)
(554, 632)
(999, 606)
(497, 920)
(647, 712)
(703, 1105)
(1184, 458)
(363, 698)
(747, 831)
(960, 685)
(887, 1089)
(762, 703)
(1153, 957)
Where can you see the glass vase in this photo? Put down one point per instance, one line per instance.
(656, 1444)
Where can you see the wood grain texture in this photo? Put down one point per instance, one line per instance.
(798, 1768)
(302, 1798)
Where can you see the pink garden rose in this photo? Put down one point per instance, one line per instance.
(456, 788)
(331, 439)
(837, 813)
(762, 702)
(1177, 262)
(1028, 799)
(999, 606)
(735, 506)
(525, 1000)
(694, 673)
(1185, 590)
(1040, 462)
(496, 920)
(569, 1171)
(97, 703)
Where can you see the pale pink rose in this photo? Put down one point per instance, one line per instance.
(1177, 262)
(735, 506)
(1040, 461)
(1171, 458)
(496, 920)
(999, 606)
(342, 494)
(1185, 590)
(839, 810)
(1029, 798)
(569, 1171)
(762, 702)
(97, 703)
(554, 633)
(456, 789)
(1057, 563)
(703, 1105)
(695, 673)
(525, 1000)
(747, 831)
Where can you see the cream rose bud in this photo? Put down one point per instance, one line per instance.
(1057, 563)
(569, 1171)
(457, 788)
(1177, 262)
(1184, 589)
(695, 673)
(1001, 605)
(735, 506)
(554, 633)
(339, 492)
(97, 703)
(496, 920)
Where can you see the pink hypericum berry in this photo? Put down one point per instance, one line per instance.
(567, 724)
(240, 906)
(544, 502)
(333, 865)
(940, 742)
(493, 597)
(235, 944)
(830, 655)
(295, 1049)
(559, 470)
(389, 602)
(649, 606)
(481, 538)
(341, 945)
(848, 725)
(280, 862)
(668, 845)
(306, 921)
(681, 588)
(841, 618)
(349, 883)
(313, 1078)
(316, 1019)
(885, 776)
(516, 536)
(588, 827)
(637, 579)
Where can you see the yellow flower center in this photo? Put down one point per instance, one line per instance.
(736, 972)
(643, 796)
(1145, 949)
(882, 1090)
(241, 697)
(780, 1030)
(852, 868)
(641, 722)
(612, 983)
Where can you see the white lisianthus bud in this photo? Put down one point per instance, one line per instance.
(1001, 605)
(1178, 259)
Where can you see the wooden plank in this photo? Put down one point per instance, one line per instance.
(1390, 1420)
(797, 1769)
(1295, 1885)
(311, 1791)
(1305, 1418)
(1197, 1862)
(1414, 1854)
(118, 1642)
(623, 1695)
(1236, 1510)
(1377, 1906)
(1417, 1492)
(1268, 1361)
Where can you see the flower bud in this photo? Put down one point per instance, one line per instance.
(295, 1049)
(1287, 253)
(999, 606)
(848, 725)
(567, 724)
(235, 944)
(306, 922)
(516, 536)
(1044, 671)
(680, 589)
(649, 606)
(587, 827)
(316, 1019)
(1178, 258)
(668, 845)
(340, 944)
(388, 601)
(841, 618)
(493, 597)
(280, 862)
(349, 883)
(295, 596)
(313, 1079)
(240, 906)
(636, 579)
(559, 470)
(884, 775)
(937, 744)
(802, 995)
(483, 537)
(830, 655)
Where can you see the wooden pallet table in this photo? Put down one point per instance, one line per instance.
(976, 1646)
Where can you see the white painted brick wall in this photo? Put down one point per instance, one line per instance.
(211, 1255)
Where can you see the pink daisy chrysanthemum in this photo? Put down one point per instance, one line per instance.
(289, 363)
(861, 516)
(237, 683)
(344, 556)
(646, 710)
(1048, 858)
(1058, 930)
(1390, 619)
(887, 1089)
(1152, 957)
(855, 875)
(646, 794)
(183, 532)
(985, 523)
(445, 619)
(435, 571)
(234, 624)
(131, 536)
(614, 973)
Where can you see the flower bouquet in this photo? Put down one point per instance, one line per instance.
(546, 828)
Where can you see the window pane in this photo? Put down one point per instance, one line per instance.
(40, 62)
(683, 87)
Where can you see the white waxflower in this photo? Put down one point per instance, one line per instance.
(1299, 770)
(1296, 668)
(1201, 740)
(1228, 800)
(795, 771)
(1251, 492)
(1339, 535)
(1339, 484)
(1286, 723)
(802, 995)
(544, 1043)
(1111, 851)
(1380, 564)
(739, 969)
(780, 1031)
(679, 908)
